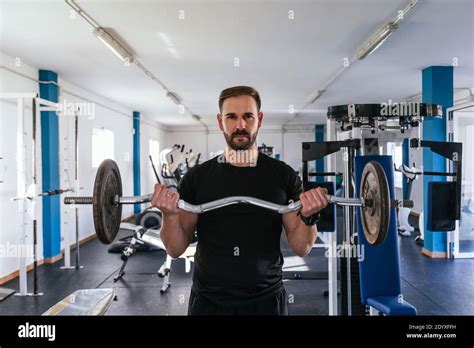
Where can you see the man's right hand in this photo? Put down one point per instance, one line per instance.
(165, 199)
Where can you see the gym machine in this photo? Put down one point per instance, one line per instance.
(352, 128)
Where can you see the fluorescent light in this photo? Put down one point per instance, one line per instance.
(377, 40)
(314, 96)
(166, 39)
(113, 44)
(173, 52)
(169, 45)
(174, 98)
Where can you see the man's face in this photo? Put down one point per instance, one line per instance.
(240, 121)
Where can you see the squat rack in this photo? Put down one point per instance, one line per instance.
(26, 197)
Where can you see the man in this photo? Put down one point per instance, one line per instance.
(238, 261)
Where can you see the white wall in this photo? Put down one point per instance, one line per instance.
(108, 114)
(192, 137)
(149, 131)
(104, 117)
(287, 143)
(292, 148)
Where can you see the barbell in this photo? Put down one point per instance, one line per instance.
(107, 201)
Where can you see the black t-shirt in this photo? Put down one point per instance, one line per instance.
(238, 254)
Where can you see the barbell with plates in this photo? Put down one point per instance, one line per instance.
(107, 202)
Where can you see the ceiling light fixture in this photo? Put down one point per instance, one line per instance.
(121, 52)
(174, 98)
(377, 40)
(314, 96)
(112, 44)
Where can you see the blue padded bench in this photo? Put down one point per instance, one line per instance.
(390, 305)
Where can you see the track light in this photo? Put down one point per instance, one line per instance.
(377, 40)
(314, 96)
(113, 44)
(174, 98)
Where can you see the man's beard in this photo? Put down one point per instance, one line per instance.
(240, 145)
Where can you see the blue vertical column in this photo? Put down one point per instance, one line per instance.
(437, 89)
(136, 159)
(50, 167)
(319, 138)
(405, 161)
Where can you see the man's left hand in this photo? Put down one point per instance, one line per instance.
(313, 201)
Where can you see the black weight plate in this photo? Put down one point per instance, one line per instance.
(375, 216)
(107, 215)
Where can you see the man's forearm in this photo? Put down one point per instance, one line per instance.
(302, 238)
(173, 236)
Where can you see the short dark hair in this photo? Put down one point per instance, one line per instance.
(237, 91)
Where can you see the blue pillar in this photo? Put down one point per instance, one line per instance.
(50, 166)
(405, 161)
(319, 137)
(437, 89)
(136, 159)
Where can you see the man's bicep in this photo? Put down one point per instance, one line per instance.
(188, 223)
(294, 185)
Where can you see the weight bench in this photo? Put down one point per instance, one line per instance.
(380, 269)
(84, 302)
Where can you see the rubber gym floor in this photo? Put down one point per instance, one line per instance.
(433, 286)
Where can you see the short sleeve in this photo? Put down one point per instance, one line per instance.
(294, 185)
(187, 186)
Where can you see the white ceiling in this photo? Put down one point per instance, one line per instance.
(284, 59)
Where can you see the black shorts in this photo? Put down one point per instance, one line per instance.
(272, 305)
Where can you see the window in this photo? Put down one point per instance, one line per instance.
(396, 151)
(154, 151)
(102, 146)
